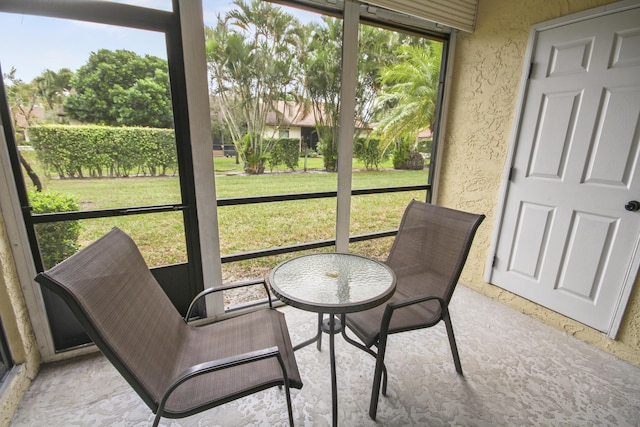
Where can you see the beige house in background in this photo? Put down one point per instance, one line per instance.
(36, 113)
(294, 120)
(487, 71)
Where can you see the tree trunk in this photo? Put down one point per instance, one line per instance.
(34, 177)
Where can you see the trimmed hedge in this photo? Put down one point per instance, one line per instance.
(102, 151)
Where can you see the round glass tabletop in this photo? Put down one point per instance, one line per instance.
(332, 282)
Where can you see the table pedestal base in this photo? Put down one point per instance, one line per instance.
(332, 326)
(326, 327)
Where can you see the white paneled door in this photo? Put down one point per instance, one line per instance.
(570, 227)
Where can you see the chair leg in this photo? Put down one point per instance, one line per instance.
(384, 380)
(368, 350)
(452, 341)
(289, 407)
(377, 377)
(287, 391)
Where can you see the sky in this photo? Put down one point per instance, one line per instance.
(32, 44)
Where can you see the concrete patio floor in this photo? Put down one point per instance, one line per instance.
(518, 372)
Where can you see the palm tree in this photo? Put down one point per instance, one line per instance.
(322, 74)
(409, 94)
(377, 48)
(53, 87)
(323, 67)
(252, 55)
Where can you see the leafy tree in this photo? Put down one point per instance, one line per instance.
(252, 62)
(121, 88)
(144, 103)
(22, 99)
(49, 88)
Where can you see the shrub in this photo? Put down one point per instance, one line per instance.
(369, 151)
(424, 146)
(329, 151)
(401, 153)
(255, 153)
(405, 157)
(57, 240)
(285, 151)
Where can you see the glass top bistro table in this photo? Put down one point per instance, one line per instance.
(332, 283)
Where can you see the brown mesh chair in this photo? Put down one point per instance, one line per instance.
(176, 368)
(427, 257)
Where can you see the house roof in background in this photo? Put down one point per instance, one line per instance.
(289, 113)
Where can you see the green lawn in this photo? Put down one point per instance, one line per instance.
(242, 228)
(224, 165)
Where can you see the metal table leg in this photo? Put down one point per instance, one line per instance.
(330, 326)
(332, 356)
(317, 338)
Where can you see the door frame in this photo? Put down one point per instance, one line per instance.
(630, 277)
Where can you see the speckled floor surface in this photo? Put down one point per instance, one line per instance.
(518, 372)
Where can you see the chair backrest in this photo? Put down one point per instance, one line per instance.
(123, 309)
(430, 249)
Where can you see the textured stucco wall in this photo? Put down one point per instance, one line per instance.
(486, 80)
(17, 326)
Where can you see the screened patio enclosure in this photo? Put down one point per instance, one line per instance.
(185, 208)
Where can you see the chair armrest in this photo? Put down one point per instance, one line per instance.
(226, 288)
(216, 365)
(416, 300)
(389, 309)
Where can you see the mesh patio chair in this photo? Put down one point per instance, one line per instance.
(427, 256)
(177, 369)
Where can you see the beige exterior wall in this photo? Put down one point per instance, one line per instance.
(20, 337)
(272, 132)
(486, 81)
